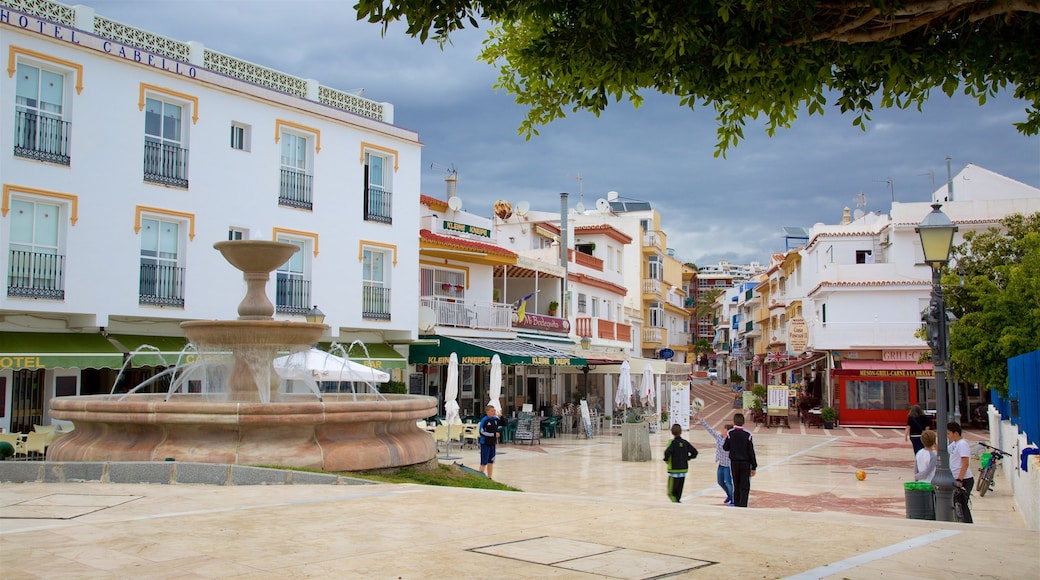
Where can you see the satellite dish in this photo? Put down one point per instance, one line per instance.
(522, 208)
(603, 205)
(455, 203)
(858, 213)
(580, 207)
(427, 318)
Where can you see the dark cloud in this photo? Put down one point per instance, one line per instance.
(712, 208)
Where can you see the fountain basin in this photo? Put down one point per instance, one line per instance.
(343, 432)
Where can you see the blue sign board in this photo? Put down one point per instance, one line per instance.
(666, 353)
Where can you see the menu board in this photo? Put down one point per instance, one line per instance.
(778, 399)
(586, 419)
(679, 403)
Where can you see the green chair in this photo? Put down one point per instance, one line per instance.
(508, 431)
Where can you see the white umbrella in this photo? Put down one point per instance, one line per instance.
(451, 395)
(648, 388)
(319, 365)
(624, 387)
(496, 383)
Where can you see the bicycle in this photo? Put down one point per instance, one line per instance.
(989, 468)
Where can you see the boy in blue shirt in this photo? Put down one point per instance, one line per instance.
(488, 430)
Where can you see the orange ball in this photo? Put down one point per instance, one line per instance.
(861, 475)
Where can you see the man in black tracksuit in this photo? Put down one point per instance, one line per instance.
(742, 460)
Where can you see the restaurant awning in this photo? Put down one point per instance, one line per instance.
(798, 363)
(378, 355)
(49, 350)
(478, 351)
(151, 351)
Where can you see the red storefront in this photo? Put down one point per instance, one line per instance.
(877, 392)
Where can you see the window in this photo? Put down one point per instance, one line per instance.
(293, 286)
(237, 234)
(165, 152)
(41, 131)
(445, 292)
(296, 182)
(375, 280)
(36, 265)
(240, 134)
(655, 268)
(378, 196)
(581, 303)
(162, 274)
(864, 256)
(656, 314)
(595, 307)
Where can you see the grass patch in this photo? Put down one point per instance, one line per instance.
(444, 475)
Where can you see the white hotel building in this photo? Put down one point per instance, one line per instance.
(125, 155)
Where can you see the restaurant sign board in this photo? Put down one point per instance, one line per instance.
(798, 335)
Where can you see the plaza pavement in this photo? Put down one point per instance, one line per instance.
(584, 513)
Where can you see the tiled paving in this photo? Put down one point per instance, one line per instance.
(583, 514)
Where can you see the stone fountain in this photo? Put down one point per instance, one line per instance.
(249, 422)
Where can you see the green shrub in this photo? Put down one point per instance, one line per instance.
(394, 387)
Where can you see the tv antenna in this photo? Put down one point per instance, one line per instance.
(931, 176)
(891, 186)
(449, 169)
(860, 199)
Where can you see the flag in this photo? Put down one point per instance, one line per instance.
(521, 307)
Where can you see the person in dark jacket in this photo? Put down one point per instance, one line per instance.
(678, 455)
(488, 430)
(742, 461)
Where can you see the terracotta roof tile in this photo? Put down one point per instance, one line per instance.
(463, 243)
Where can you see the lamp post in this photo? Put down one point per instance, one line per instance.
(936, 231)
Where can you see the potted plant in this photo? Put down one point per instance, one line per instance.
(496, 296)
(828, 415)
(553, 306)
(664, 417)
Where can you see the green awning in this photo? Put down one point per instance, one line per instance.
(380, 355)
(153, 351)
(53, 350)
(478, 351)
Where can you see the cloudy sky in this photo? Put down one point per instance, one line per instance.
(712, 208)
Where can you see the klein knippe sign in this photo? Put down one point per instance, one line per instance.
(798, 335)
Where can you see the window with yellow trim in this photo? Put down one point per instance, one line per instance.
(163, 241)
(375, 282)
(378, 187)
(166, 140)
(36, 259)
(293, 283)
(41, 124)
(296, 183)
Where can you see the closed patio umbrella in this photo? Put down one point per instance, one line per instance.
(624, 387)
(451, 395)
(648, 388)
(495, 388)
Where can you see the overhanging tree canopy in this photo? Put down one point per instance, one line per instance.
(744, 58)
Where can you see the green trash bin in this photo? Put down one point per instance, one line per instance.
(920, 500)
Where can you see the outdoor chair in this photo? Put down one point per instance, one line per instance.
(508, 431)
(35, 443)
(14, 439)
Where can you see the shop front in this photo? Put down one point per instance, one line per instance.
(878, 392)
(529, 371)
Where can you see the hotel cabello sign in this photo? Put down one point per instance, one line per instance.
(798, 335)
(78, 37)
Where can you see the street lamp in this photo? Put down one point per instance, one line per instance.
(314, 315)
(586, 342)
(936, 231)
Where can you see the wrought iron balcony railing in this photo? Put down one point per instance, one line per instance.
(378, 205)
(165, 164)
(292, 295)
(295, 189)
(36, 275)
(41, 138)
(375, 302)
(161, 285)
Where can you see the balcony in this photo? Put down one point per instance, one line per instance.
(653, 240)
(165, 164)
(292, 294)
(462, 314)
(36, 275)
(375, 302)
(294, 189)
(652, 286)
(161, 285)
(41, 138)
(378, 205)
(583, 259)
(653, 336)
(603, 329)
